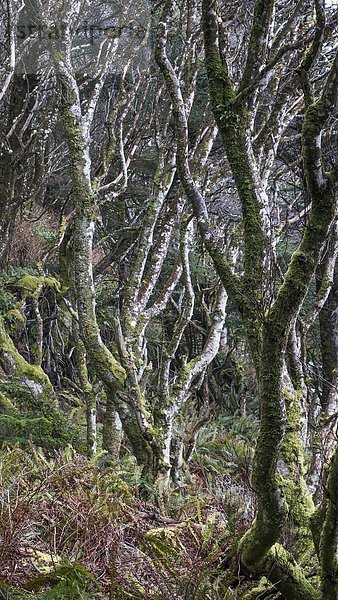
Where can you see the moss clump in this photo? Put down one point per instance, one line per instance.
(5, 403)
(15, 365)
(29, 285)
(15, 315)
(15, 320)
(259, 592)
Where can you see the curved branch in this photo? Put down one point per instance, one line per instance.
(230, 281)
(257, 50)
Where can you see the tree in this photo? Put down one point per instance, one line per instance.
(268, 313)
(185, 158)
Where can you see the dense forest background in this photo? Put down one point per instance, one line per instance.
(168, 299)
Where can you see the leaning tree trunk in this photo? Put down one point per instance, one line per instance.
(328, 542)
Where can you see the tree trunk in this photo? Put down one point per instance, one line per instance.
(112, 431)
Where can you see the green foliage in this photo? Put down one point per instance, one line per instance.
(35, 421)
(71, 581)
(67, 582)
(7, 299)
(96, 528)
(48, 433)
(229, 117)
(50, 237)
(227, 446)
(8, 279)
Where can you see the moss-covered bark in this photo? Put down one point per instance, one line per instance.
(300, 506)
(269, 521)
(328, 544)
(88, 392)
(270, 517)
(288, 577)
(232, 120)
(106, 365)
(16, 366)
(268, 342)
(328, 328)
(112, 432)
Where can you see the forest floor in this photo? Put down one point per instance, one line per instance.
(78, 528)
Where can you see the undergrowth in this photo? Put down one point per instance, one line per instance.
(71, 528)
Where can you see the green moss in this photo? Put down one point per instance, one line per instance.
(5, 403)
(298, 498)
(288, 576)
(51, 282)
(107, 364)
(259, 591)
(15, 365)
(184, 375)
(17, 315)
(29, 285)
(15, 319)
(231, 117)
(329, 533)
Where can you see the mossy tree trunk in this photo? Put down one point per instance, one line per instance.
(328, 327)
(328, 544)
(257, 544)
(321, 438)
(112, 433)
(324, 526)
(77, 126)
(87, 390)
